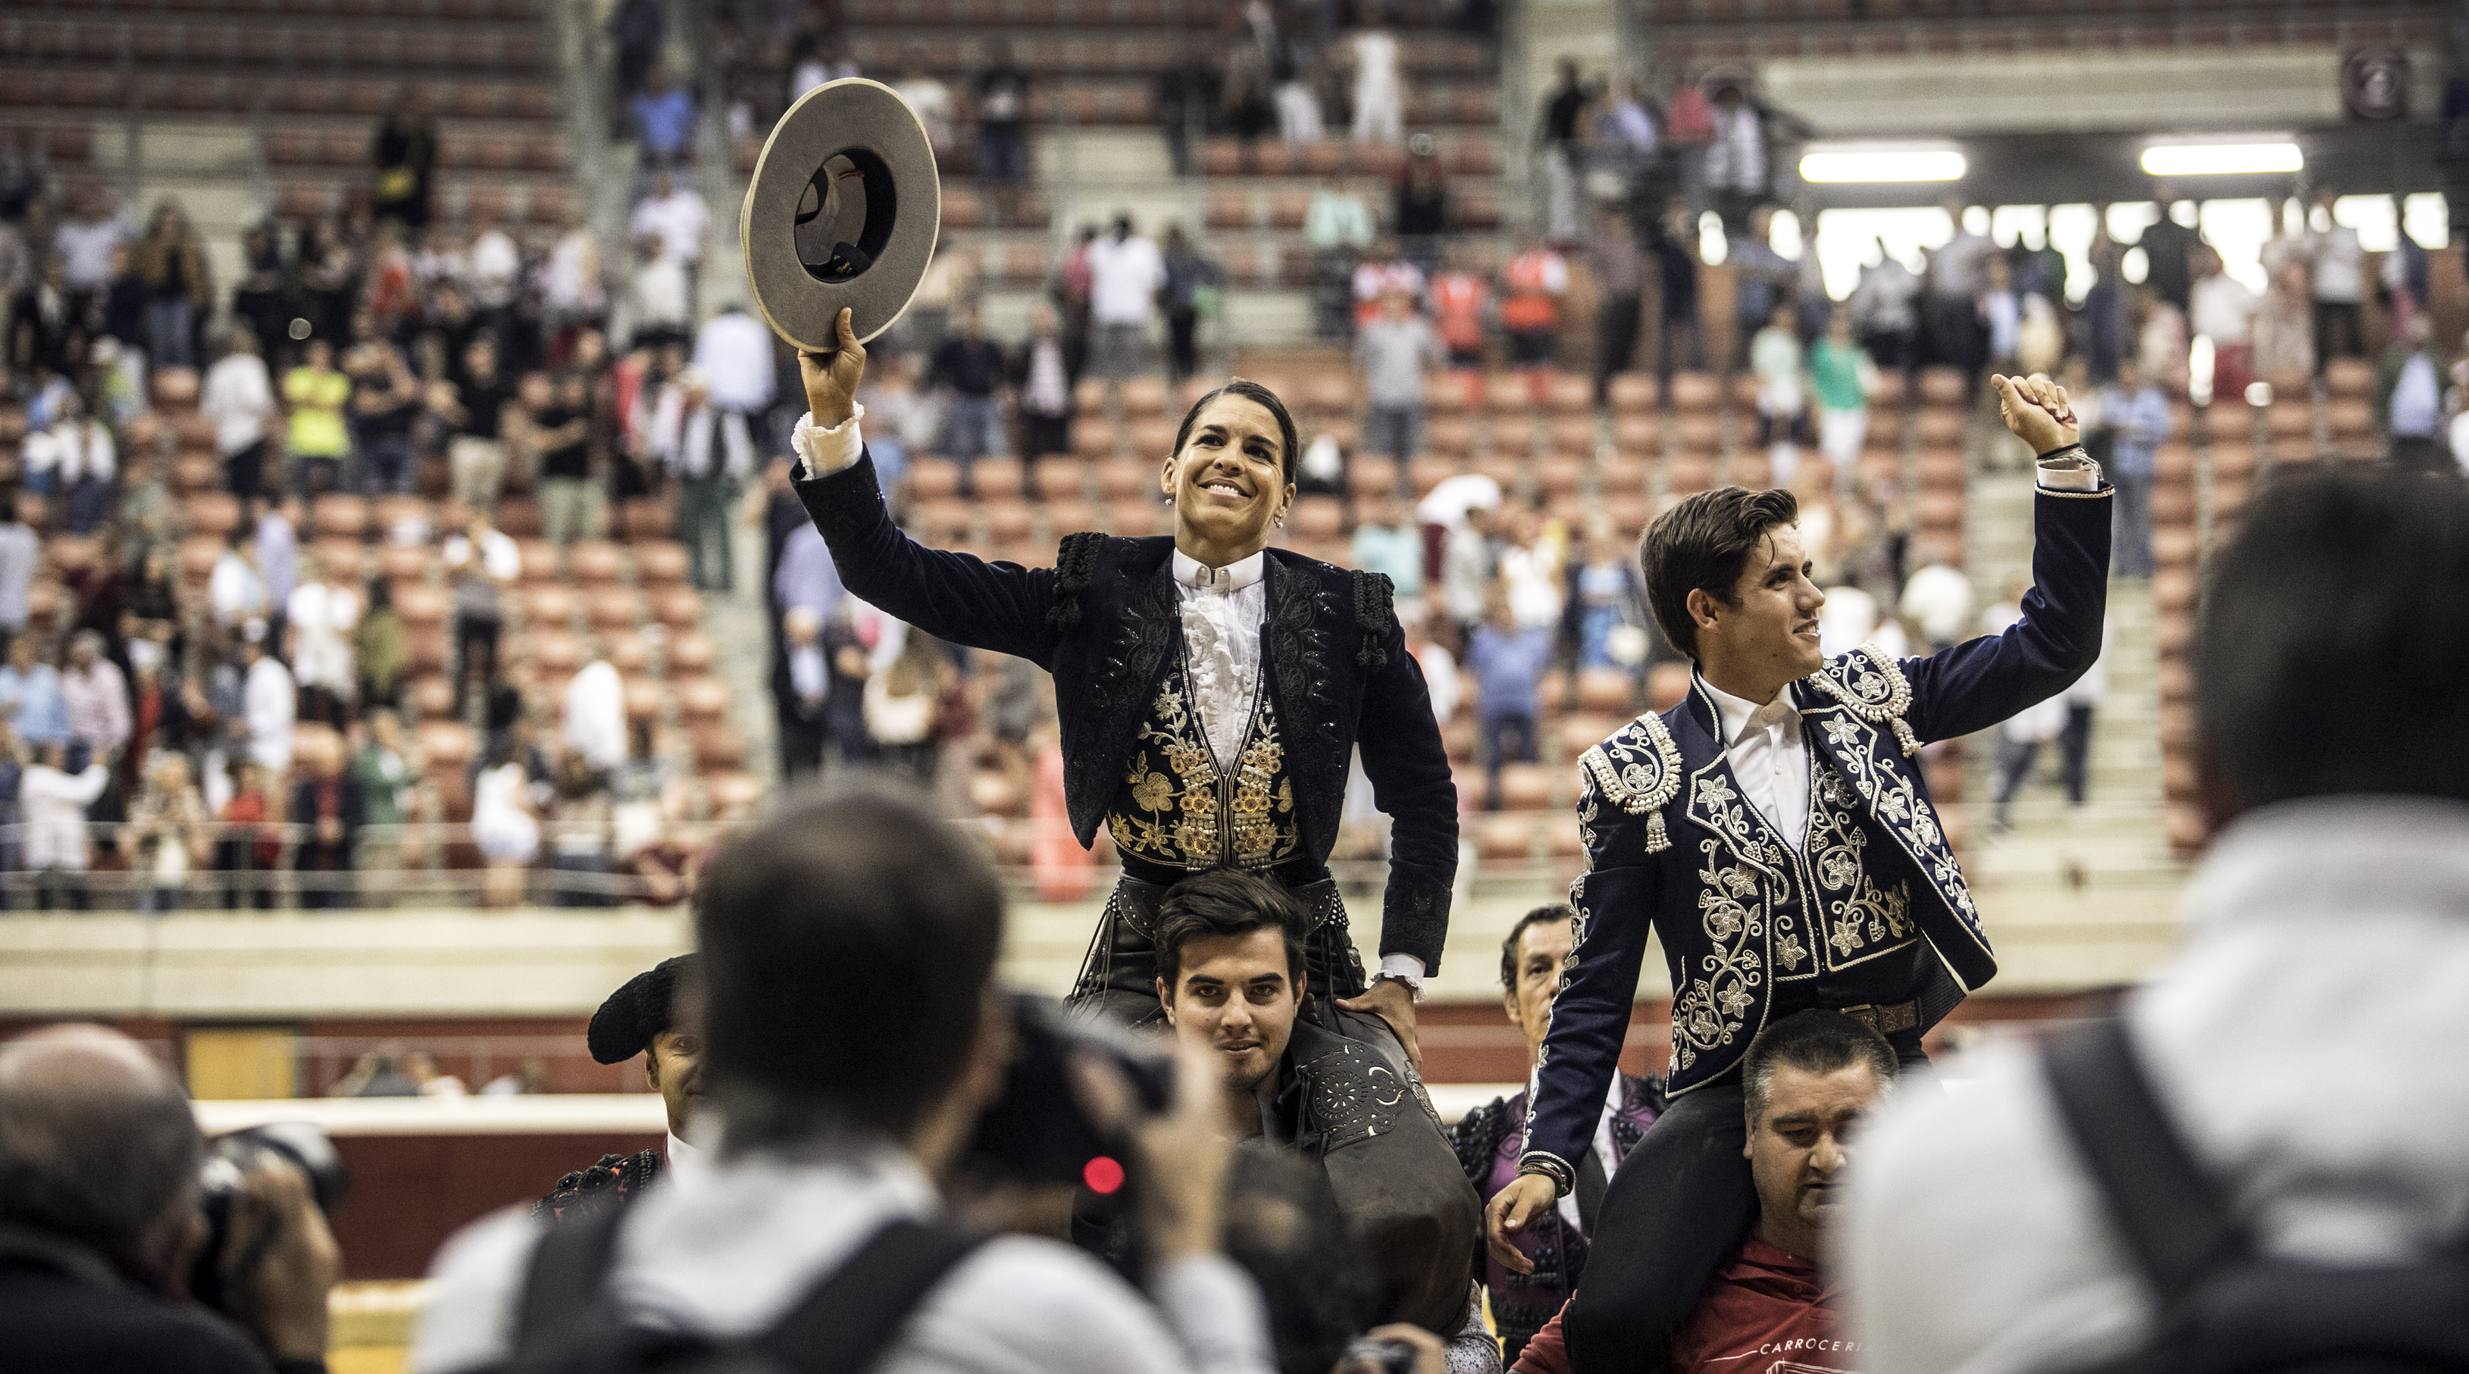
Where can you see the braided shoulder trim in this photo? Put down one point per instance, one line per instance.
(1375, 611)
(1075, 566)
(1639, 780)
(1871, 685)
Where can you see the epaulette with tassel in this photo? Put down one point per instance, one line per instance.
(1640, 780)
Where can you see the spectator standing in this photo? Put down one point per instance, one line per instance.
(1937, 600)
(381, 774)
(325, 803)
(1507, 662)
(72, 460)
(663, 116)
(2104, 305)
(30, 696)
(1193, 288)
(2409, 398)
(1674, 245)
(931, 101)
(1761, 280)
(709, 453)
(1042, 379)
(1735, 169)
(166, 838)
(1126, 272)
(1387, 543)
(2339, 284)
(1531, 291)
(171, 261)
(1557, 132)
(20, 551)
(1958, 272)
(967, 369)
(1003, 129)
(1338, 227)
(505, 824)
(321, 618)
(278, 551)
(316, 439)
(385, 405)
(800, 692)
(1842, 378)
(405, 151)
(635, 31)
(1461, 304)
(94, 694)
(1181, 101)
(2284, 324)
(657, 304)
(2169, 252)
(379, 654)
(1383, 270)
(1379, 91)
(901, 703)
(83, 241)
(53, 803)
(674, 214)
(238, 400)
(1620, 285)
(1777, 362)
(481, 562)
(2001, 316)
(482, 397)
(269, 703)
(549, 440)
(2222, 308)
(1394, 351)
(236, 589)
(595, 714)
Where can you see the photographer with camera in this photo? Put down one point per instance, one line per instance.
(100, 1225)
(852, 1034)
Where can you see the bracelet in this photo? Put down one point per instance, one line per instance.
(2076, 447)
(1546, 1165)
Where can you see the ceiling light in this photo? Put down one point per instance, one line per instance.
(1840, 165)
(2222, 159)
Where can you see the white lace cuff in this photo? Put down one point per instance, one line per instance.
(822, 452)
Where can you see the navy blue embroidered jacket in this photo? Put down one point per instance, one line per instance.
(1672, 846)
(1104, 621)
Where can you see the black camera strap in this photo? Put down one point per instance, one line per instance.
(842, 1325)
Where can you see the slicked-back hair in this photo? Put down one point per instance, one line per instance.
(1541, 916)
(848, 940)
(1252, 391)
(1227, 903)
(1816, 1041)
(2331, 641)
(1701, 545)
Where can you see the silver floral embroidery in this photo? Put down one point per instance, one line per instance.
(1896, 802)
(1868, 683)
(1638, 770)
(1860, 917)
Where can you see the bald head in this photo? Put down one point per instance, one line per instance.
(97, 1143)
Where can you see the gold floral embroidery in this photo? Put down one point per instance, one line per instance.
(1178, 809)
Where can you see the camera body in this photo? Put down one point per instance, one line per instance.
(229, 1160)
(1037, 1130)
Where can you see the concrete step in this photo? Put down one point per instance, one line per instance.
(192, 148)
(1096, 158)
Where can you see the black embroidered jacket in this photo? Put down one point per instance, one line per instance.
(1106, 622)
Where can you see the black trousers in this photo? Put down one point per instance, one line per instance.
(1676, 1209)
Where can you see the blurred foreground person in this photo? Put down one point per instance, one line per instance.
(1232, 981)
(641, 1018)
(1806, 1085)
(100, 1224)
(1775, 831)
(2302, 1048)
(817, 1230)
(1489, 1137)
(1211, 689)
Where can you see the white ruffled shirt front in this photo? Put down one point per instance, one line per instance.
(1223, 611)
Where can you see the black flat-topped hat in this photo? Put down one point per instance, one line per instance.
(843, 211)
(626, 1024)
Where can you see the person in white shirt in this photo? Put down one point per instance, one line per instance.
(269, 702)
(710, 451)
(2221, 308)
(492, 266)
(1379, 96)
(1937, 599)
(820, 1147)
(931, 101)
(733, 353)
(2339, 285)
(2298, 1043)
(658, 300)
(238, 400)
(321, 618)
(236, 590)
(72, 459)
(574, 284)
(1125, 272)
(674, 214)
(595, 714)
(52, 804)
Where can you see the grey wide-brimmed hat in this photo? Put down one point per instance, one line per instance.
(843, 211)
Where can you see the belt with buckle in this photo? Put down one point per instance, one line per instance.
(1892, 1018)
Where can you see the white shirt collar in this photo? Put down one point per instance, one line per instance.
(1739, 714)
(1234, 577)
(685, 1160)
